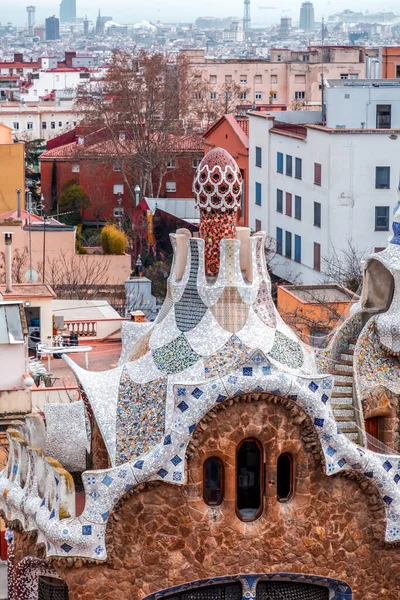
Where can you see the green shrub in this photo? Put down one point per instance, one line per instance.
(113, 241)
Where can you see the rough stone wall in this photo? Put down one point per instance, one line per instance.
(385, 404)
(165, 535)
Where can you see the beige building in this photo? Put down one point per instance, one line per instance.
(37, 120)
(287, 77)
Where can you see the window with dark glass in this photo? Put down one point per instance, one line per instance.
(279, 201)
(317, 173)
(279, 240)
(288, 244)
(289, 165)
(382, 214)
(297, 207)
(288, 204)
(213, 481)
(279, 162)
(298, 168)
(382, 178)
(317, 214)
(258, 193)
(383, 116)
(258, 225)
(249, 484)
(258, 156)
(297, 248)
(284, 477)
(317, 256)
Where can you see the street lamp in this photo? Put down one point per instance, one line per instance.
(137, 193)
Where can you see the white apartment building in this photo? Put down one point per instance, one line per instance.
(314, 188)
(363, 104)
(40, 120)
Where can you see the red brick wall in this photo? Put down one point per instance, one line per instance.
(166, 535)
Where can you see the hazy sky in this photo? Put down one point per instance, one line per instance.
(131, 11)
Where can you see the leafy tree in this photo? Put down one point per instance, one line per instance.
(74, 200)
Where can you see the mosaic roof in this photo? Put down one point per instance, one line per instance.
(214, 339)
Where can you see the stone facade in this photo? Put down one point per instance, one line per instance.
(165, 535)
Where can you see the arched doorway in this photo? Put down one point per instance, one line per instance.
(279, 586)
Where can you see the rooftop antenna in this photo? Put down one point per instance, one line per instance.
(246, 16)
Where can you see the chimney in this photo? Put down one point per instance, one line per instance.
(8, 240)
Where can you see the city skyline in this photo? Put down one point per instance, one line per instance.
(176, 10)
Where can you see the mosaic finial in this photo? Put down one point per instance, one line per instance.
(217, 187)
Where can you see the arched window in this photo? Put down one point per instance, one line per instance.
(284, 477)
(249, 480)
(213, 481)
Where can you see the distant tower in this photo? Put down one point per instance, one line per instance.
(52, 28)
(68, 11)
(307, 22)
(246, 16)
(86, 26)
(99, 25)
(31, 18)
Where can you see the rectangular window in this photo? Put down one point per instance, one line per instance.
(299, 95)
(16, 126)
(279, 240)
(52, 125)
(279, 162)
(10, 324)
(274, 78)
(75, 168)
(289, 165)
(297, 207)
(258, 79)
(117, 168)
(258, 95)
(288, 204)
(298, 168)
(213, 79)
(196, 162)
(272, 95)
(118, 188)
(317, 173)
(118, 211)
(382, 178)
(300, 79)
(317, 214)
(243, 95)
(29, 125)
(288, 244)
(258, 156)
(171, 164)
(228, 78)
(170, 186)
(258, 225)
(297, 248)
(44, 125)
(243, 79)
(258, 193)
(382, 214)
(213, 95)
(344, 75)
(60, 123)
(317, 257)
(279, 201)
(397, 71)
(353, 75)
(383, 116)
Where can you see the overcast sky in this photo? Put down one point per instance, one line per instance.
(131, 11)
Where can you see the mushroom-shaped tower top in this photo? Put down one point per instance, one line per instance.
(217, 188)
(218, 182)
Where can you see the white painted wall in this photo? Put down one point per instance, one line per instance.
(30, 119)
(347, 195)
(352, 106)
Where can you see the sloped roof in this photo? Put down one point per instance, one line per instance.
(240, 126)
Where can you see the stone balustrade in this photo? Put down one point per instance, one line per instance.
(83, 328)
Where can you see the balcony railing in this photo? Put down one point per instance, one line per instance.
(83, 328)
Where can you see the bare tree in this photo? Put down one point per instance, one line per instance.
(344, 266)
(19, 266)
(77, 277)
(141, 110)
(211, 101)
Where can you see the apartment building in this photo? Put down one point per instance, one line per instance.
(316, 189)
(38, 120)
(286, 78)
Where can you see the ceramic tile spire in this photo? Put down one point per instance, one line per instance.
(217, 188)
